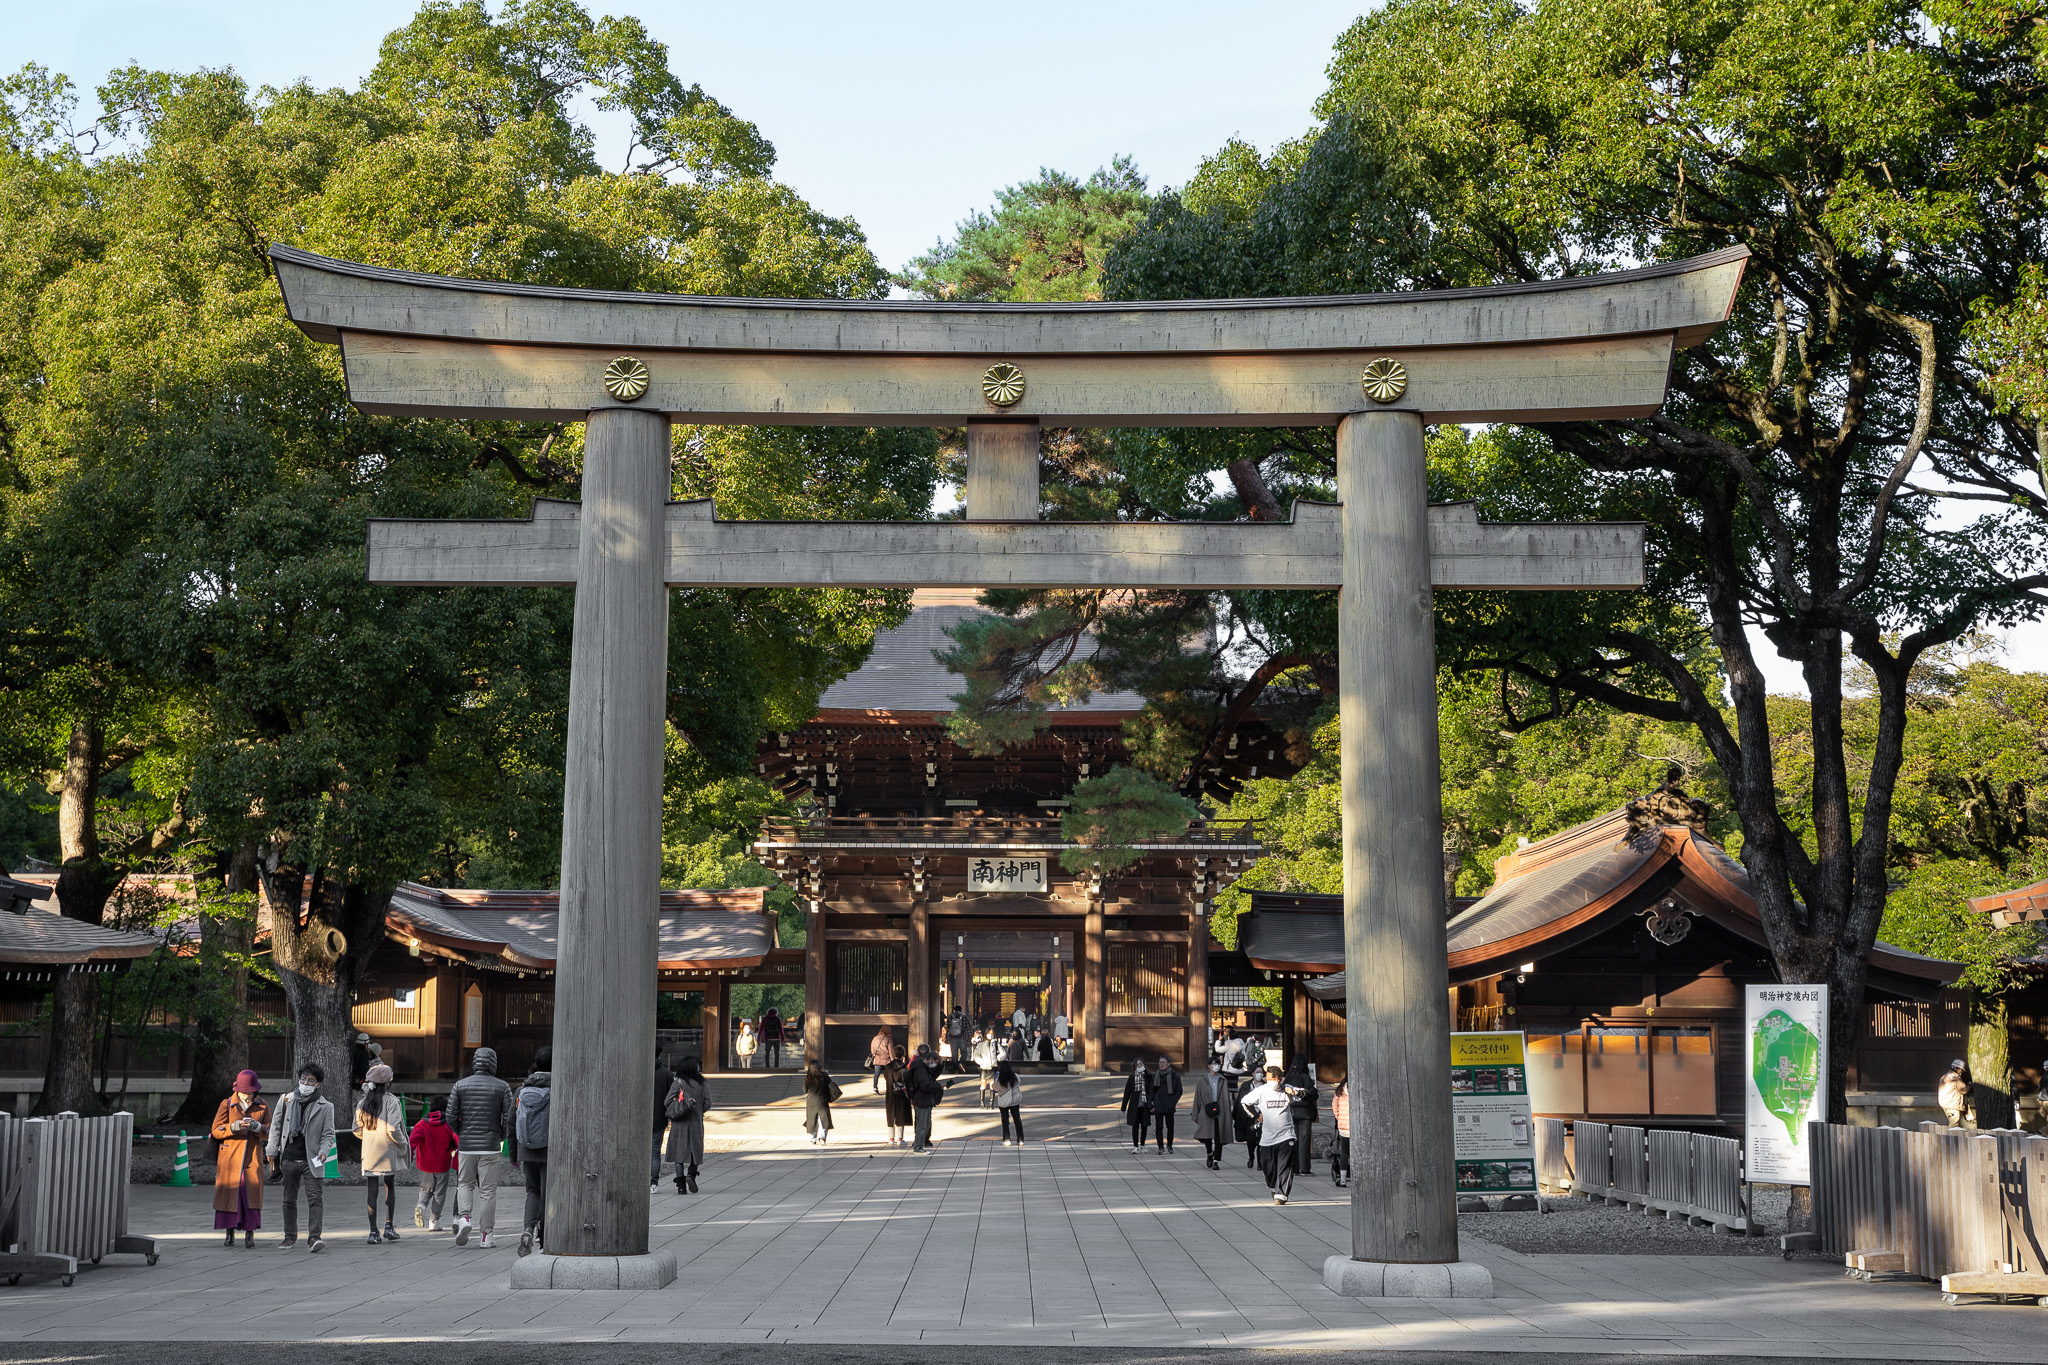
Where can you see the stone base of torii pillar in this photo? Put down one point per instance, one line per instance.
(541, 1270)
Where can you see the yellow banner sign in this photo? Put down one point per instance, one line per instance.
(1486, 1049)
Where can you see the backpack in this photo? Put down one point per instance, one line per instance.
(530, 1122)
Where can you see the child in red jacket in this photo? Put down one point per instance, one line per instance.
(433, 1154)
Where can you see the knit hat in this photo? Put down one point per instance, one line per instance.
(379, 1074)
(486, 1061)
(246, 1083)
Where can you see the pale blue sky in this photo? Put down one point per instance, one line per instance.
(905, 115)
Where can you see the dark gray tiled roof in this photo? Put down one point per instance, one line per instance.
(903, 675)
(1303, 939)
(42, 938)
(695, 927)
(1547, 892)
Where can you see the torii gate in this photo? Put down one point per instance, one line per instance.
(1377, 367)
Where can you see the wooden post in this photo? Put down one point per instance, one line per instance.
(921, 1004)
(1002, 471)
(1093, 1055)
(1403, 1201)
(717, 1001)
(606, 976)
(1198, 989)
(1301, 1024)
(814, 984)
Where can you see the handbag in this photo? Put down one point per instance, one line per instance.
(681, 1107)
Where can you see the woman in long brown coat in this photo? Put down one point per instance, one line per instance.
(239, 1128)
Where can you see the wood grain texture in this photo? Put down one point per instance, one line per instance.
(326, 297)
(1305, 553)
(1403, 1199)
(606, 969)
(1548, 381)
(1002, 471)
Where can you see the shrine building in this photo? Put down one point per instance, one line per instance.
(933, 880)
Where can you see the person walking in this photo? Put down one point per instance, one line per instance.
(985, 1065)
(1245, 1122)
(820, 1090)
(771, 1038)
(1301, 1085)
(1166, 1093)
(380, 1124)
(1233, 1057)
(686, 1103)
(239, 1128)
(299, 1142)
(1010, 1103)
(1212, 1094)
(896, 1110)
(746, 1045)
(1273, 1103)
(1137, 1102)
(926, 1090)
(1019, 1018)
(480, 1111)
(881, 1050)
(1340, 1154)
(530, 1130)
(433, 1156)
(663, 1080)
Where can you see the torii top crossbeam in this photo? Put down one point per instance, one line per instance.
(1377, 367)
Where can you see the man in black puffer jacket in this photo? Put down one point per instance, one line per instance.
(480, 1112)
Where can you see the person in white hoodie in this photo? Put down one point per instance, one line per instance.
(1273, 1104)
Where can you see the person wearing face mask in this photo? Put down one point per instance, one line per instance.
(299, 1143)
(1212, 1098)
(1166, 1093)
(238, 1128)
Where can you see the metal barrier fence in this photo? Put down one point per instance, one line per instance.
(1553, 1156)
(64, 1194)
(1678, 1174)
(1943, 1203)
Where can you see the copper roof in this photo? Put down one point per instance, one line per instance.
(2014, 907)
(700, 930)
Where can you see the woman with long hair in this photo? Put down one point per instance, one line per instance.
(380, 1123)
(1010, 1103)
(687, 1100)
(819, 1092)
(1137, 1102)
(896, 1112)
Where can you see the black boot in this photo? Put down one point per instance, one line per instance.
(231, 1238)
(249, 1237)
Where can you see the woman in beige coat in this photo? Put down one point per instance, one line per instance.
(380, 1123)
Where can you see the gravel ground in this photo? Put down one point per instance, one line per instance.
(1581, 1227)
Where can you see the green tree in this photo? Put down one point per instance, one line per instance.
(1043, 242)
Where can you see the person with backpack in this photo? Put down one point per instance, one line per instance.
(530, 1132)
(896, 1111)
(1301, 1085)
(1137, 1102)
(688, 1100)
(881, 1051)
(1273, 1103)
(239, 1126)
(1231, 1052)
(926, 1091)
(299, 1143)
(1010, 1103)
(1212, 1095)
(1246, 1124)
(1166, 1093)
(380, 1124)
(771, 1038)
(433, 1156)
(480, 1110)
(820, 1090)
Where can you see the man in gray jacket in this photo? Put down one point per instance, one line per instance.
(301, 1135)
(480, 1112)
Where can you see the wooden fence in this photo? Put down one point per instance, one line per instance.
(1678, 1174)
(1964, 1207)
(1553, 1157)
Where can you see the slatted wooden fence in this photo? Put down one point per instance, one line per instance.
(1678, 1174)
(1936, 1202)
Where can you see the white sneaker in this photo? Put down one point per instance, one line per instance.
(486, 1241)
(462, 1232)
(1278, 1199)
(434, 1226)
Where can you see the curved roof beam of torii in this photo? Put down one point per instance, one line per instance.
(429, 345)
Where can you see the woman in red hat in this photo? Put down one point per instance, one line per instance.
(239, 1128)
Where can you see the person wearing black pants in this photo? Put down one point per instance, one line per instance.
(1010, 1102)
(1166, 1093)
(530, 1131)
(1273, 1103)
(1212, 1117)
(1301, 1088)
(1137, 1102)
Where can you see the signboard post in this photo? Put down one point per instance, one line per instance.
(1493, 1133)
(1785, 1085)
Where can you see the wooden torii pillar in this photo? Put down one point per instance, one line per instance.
(1377, 367)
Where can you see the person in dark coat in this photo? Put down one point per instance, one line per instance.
(1212, 1097)
(1166, 1093)
(771, 1038)
(896, 1111)
(686, 1104)
(1301, 1085)
(927, 1088)
(820, 1090)
(1245, 1124)
(663, 1079)
(1137, 1102)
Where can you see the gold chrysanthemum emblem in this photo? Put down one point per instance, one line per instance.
(1003, 384)
(625, 378)
(1384, 380)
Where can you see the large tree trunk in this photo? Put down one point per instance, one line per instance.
(321, 938)
(1990, 1058)
(220, 1046)
(83, 885)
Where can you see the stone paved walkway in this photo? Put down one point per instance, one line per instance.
(1057, 1243)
